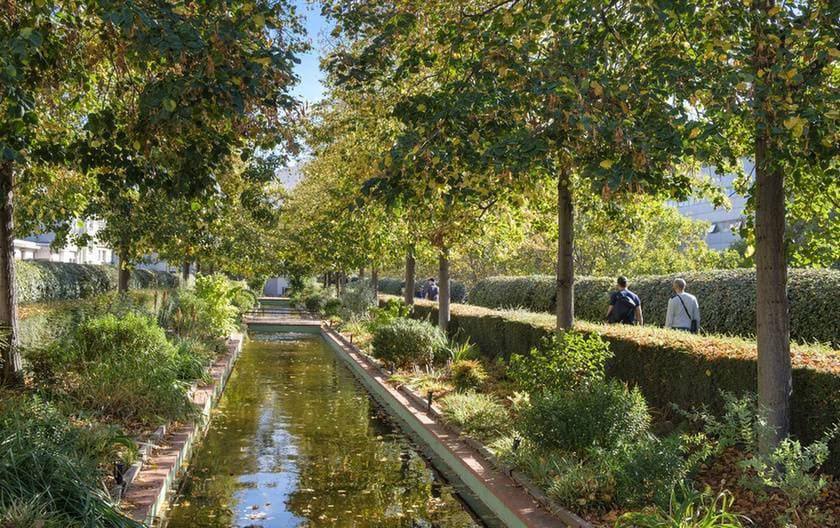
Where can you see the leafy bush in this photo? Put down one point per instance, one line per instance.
(647, 471)
(468, 374)
(389, 312)
(562, 363)
(314, 302)
(119, 367)
(727, 299)
(791, 468)
(217, 292)
(602, 414)
(356, 300)
(45, 281)
(244, 299)
(688, 509)
(478, 415)
(331, 307)
(406, 342)
(738, 424)
(49, 477)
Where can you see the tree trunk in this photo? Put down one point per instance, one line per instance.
(565, 254)
(361, 273)
(9, 347)
(185, 271)
(338, 284)
(443, 294)
(326, 280)
(374, 281)
(775, 383)
(410, 272)
(124, 274)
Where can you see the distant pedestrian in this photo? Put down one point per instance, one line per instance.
(431, 291)
(683, 309)
(625, 306)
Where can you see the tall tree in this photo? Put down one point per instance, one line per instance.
(763, 77)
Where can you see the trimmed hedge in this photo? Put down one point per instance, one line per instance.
(47, 281)
(393, 286)
(727, 299)
(668, 366)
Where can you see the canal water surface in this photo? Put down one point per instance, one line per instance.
(296, 441)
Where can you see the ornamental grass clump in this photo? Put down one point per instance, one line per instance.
(407, 342)
(122, 368)
(468, 374)
(52, 472)
(478, 415)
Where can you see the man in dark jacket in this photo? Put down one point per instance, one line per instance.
(625, 306)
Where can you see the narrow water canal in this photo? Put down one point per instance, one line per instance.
(296, 441)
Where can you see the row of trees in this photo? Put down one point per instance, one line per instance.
(447, 122)
(149, 115)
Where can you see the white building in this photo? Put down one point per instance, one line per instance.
(39, 247)
(725, 223)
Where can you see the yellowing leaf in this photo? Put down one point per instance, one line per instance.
(421, 107)
(507, 19)
(694, 133)
(259, 20)
(265, 61)
(169, 105)
(606, 164)
(596, 88)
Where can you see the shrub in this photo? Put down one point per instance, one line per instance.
(468, 374)
(647, 471)
(391, 286)
(406, 342)
(791, 468)
(244, 300)
(331, 307)
(119, 367)
(562, 363)
(356, 300)
(727, 299)
(48, 475)
(217, 292)
(602, 414)
(314, 302)
(391, 310)
(478, 415)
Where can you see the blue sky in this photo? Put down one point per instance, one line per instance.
(310, 88)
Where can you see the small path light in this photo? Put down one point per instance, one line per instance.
(429, 401)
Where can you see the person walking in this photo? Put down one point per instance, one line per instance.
(625, 306)
(683, 309)
(431, 291)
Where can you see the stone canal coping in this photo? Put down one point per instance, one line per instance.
(166, 452)
(508, 494)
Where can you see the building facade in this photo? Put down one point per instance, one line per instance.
(724, 223)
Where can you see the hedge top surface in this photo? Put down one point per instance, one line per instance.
(816, 357)
(727, 299)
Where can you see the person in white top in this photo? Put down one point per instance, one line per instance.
(683, 309)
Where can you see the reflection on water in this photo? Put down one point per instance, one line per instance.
(296, 441)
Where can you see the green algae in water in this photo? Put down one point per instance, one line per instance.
(296, 441)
